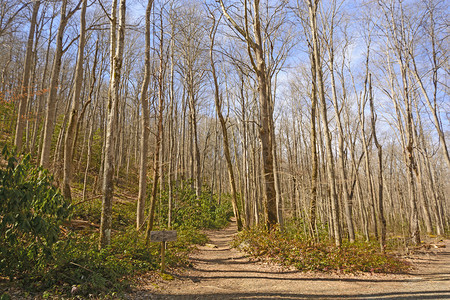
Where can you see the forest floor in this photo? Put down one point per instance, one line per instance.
(221, 272)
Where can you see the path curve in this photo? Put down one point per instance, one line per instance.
(221, 272)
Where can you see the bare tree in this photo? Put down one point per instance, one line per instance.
(21, 116)
(218, 103)
(74, 117)
(159, 131)
(396, 37)
(256, 54)
(312, 8)
(51, 98)
(145, 122)
(113, 106)
(413, 68)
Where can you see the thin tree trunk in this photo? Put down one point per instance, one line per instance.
(226, 148)
(91, 130)
(381, 218)
(345, 192)
(276, 173)
(314, 157)
(171, 132)
(73, 121)
(159, 138)
(366, 141)
(418, 136)
(51, 99)
(21, 116)
(432, 106)
(245, 159)
(265, 130)
(145, 123)
(113, 105)
(323, 109)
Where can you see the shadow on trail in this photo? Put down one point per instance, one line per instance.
(221, 272)
(216, 250)
(234, 274)
(278, 278)
(228, 260)
(394, 295)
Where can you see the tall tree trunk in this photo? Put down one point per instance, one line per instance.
(420, 141)
(50, 116)
(397, 42)
(159, 136)
(171, 125)
(323, 109)
(226, 147)
(89, 153)
(195, 150)
(381, 218)
(276, 173)
(314, 157)
(341, 151)
(113, 105)
(366, 144)
(41, 97)
(92, 123)
(409, 159)
(21, 116)
(145, 123)
(73, 121)
(265, 129)
(245, 158)
(414, 70)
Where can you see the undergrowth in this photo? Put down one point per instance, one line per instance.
(306, 255)
(44, 251)
(78, 266)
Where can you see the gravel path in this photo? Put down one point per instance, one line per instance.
(220, 272)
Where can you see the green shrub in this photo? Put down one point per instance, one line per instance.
(307, 255)
(31, 212)
(37, 255)
(111, 270)
(78, 263)
(190, 211)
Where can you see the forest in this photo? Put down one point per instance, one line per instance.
(324, 121)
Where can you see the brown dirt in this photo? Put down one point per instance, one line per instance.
(220, 272)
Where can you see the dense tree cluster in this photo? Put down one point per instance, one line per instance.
(329, 113)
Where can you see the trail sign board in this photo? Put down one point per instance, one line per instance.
(163, 236)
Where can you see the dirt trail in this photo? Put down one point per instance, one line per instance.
(223, 273)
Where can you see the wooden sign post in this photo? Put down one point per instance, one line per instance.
(163, 237)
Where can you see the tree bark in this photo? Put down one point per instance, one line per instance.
(69, 142)
(145, 124)
(314, 156)
(50, 116)
(113, 105)
(381, 218)
(223, 125)
(159, 137)
(323, 109)
(265, 130)
(21, 116)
